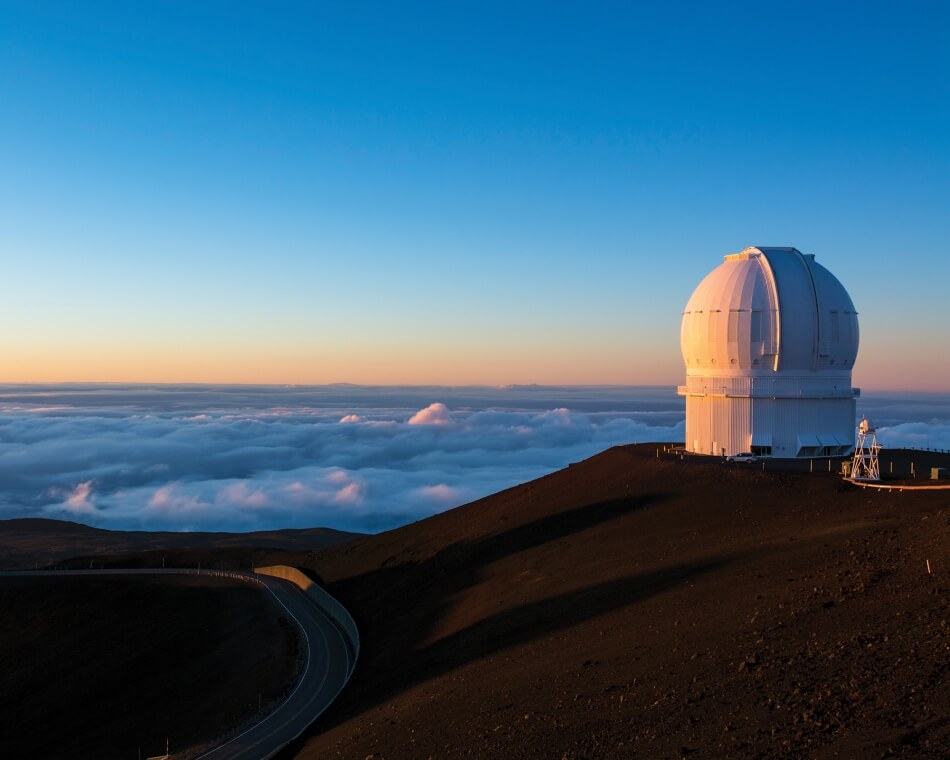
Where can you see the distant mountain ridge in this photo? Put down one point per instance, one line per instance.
(33, 541)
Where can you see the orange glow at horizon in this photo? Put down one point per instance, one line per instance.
(380, 363)
(387, 363)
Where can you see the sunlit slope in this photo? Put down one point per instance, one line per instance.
(635, 606)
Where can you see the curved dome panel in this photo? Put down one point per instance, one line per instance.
(838, 320)
(768, 310)
(731, 320)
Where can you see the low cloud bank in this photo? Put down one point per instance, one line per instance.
(909, 420)
(348, 457)
(250, 459)
(916, 435)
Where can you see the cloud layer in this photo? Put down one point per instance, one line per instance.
(348, 457)
(207, 458)
(909, 420)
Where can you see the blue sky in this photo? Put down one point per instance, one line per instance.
(456, 193)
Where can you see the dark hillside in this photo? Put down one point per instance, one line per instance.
(103, 667)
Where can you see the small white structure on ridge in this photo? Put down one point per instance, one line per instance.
(769, 340)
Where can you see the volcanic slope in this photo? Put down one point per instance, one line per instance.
(635, 606)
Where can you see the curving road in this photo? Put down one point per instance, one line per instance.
(325, 672)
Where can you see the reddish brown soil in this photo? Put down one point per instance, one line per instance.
(99, 667)
(631, 606)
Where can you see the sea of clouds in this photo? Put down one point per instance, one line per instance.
(249, 458)
(909, 420)
(348, 457)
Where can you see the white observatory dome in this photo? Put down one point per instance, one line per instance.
(769, 339)
(769, 310)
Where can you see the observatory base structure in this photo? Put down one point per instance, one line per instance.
(731, 416)
(769, 339)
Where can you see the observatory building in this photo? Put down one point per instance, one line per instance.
(769, 340)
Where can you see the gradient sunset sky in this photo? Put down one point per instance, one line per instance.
(457, 193)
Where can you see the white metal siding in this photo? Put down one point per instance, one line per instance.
(731, 423)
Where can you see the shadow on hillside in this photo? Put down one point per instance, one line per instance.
(398, 606)
(554, 527)
(545, 616)
(416, 594)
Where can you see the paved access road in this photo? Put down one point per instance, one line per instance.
(325, 671)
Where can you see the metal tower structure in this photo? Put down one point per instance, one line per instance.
(865, 465)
